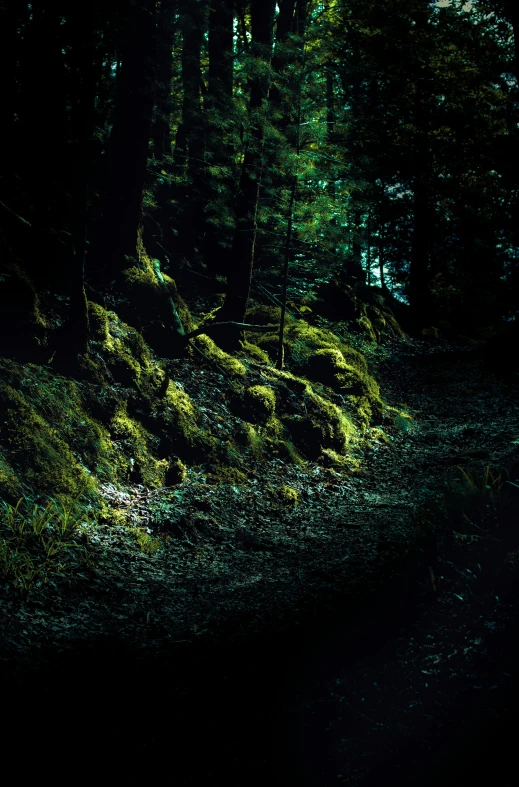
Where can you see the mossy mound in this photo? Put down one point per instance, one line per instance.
(23, 328)
(148, 302)
(325, 425)
(137, 460)
(36, 453)
(124, 351)
(227, 363)
(259, 402)
(368, 311)
(300, 341)
(314, 353)
(330, 367)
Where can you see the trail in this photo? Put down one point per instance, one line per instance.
(310, 659)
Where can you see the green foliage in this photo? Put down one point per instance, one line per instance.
(38, 543)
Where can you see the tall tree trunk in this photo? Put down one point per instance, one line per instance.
(368, 249)
(220, 131)
(420, 301)
(242, 252)
(381, 254)
(161, 131)
(128, 144)
(419, 271)
(42, 111)
(9, 44)
(82, 64)
(189, 142)
(281, 59)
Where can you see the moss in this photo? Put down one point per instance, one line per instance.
(92, 370)
(300, 340)
(148, 306)
(37, 451)
(249, 437)
(179, 418)
(98, 319)
(379, 435)
(366, 328)
(176, 472)
(228, 475)
(10, 487)
(331, 458)
(229, 365)
(254, 353)
(144, 541)
(112, 516)
(329, 367)
(142, 279)
(142, 465)
(259, 403)
(288, 495)
(263, 315)
(337, 429)
(180, 304)
(123, 349)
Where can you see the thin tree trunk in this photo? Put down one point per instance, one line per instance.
(368, 249)
(81, 121)
(220, 137)
(242, 252)
(189, 143)
(161, 131)
(288, 241)
(381, 250)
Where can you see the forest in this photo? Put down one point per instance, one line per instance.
(259, 376)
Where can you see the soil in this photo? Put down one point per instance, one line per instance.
(364, 636)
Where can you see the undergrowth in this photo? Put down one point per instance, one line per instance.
(40, 542)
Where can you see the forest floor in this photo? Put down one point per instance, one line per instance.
(318, 644)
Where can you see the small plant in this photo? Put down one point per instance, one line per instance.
(487, 498)
(35, 540)
(288, 496)
(487, 488)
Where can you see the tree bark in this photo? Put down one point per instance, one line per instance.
(82, 62)
(220, 133)
(161, 131)
(189, 142)
(128, 144)
(242, 252)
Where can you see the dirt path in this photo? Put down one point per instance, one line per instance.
(344, 696)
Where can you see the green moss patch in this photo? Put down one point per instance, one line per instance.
(137, 445)
(229, 365)
(38, 454)
(259, 403)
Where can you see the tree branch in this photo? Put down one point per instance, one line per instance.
(207, 328)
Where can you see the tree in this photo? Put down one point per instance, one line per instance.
(242, 251)
(127, 148)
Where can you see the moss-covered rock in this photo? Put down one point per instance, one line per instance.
(38, 455)
(176, 472)
(325, 426)
(330, 368)
(142, 466)
(229, 365)
(23, 327)
(259, 402)
(368, 311)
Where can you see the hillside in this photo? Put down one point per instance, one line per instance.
(272, 532)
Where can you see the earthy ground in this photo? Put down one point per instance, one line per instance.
(311, 645)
